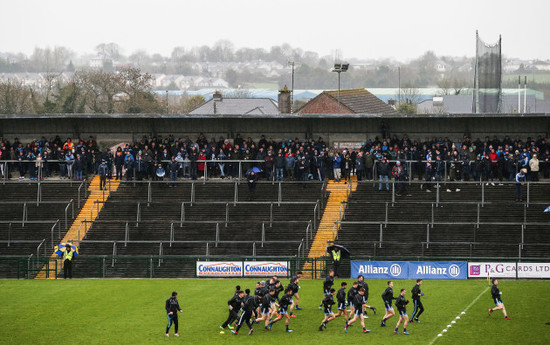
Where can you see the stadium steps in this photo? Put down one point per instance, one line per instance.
(446, 240)
(245, 224)
(76, 232)
(339, 192)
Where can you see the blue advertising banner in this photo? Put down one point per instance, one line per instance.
(438, 270)
(380, 269)
(409, 270)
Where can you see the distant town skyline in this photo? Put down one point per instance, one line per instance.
(399, 29)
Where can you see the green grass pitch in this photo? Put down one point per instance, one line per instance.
(132, 312)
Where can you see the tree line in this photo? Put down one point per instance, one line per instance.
(87, 91)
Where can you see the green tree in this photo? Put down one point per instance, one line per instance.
(406, 108)
(192, 102)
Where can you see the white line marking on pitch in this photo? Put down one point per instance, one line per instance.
(458, 317)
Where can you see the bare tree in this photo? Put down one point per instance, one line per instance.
(137, 88)
(410, 94)
(108, 51)
(445, 85)
(15, 98)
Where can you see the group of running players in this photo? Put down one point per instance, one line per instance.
(353, 305)
(264, 306)
(267, 305)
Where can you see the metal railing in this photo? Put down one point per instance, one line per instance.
(436, 206)
(208, 243)
(192, 192)
(309, 231)
(39, 189)
(480, 195)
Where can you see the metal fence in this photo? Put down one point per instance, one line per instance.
(143, 266)
(185, 266)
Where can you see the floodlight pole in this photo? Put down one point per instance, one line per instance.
(291, 63)
(339, 91)
(339, 68)
(166, 101)
(525, 96)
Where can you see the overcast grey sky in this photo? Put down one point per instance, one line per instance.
(359, 29)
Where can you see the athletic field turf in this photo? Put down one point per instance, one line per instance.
(132, 312)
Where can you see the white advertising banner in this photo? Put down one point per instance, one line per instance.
(265, 268)
(219, 269)
(491, 269)
(534, 270)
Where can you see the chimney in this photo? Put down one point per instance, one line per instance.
(284, 101)
(217, 97)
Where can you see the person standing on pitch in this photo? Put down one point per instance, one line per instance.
(418, 307)
(388, 298)
(172, 308)
(234, 305)
(68, 262)
(495, 293)
(401, 304)
(336, 257)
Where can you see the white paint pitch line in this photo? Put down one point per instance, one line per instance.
(464, 312)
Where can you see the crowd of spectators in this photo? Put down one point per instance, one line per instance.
(491, 159)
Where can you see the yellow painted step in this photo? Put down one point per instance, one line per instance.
(75, 232)
(331, 214)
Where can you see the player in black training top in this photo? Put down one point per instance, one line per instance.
(328, 302)
(341, 299)
(351, 297)
(234, 305)
(284, 303)
(327, 285)
(268, 302)
(363, 284)
(294, 287)
(388, 298)
(250, 305)
(495, 293)
(401, 304)
(358, 302)
(278, 288)
(418, 307)
(172, 308)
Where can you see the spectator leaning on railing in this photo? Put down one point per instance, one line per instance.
(430, 159)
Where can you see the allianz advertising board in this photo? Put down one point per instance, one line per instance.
(380, 269)
(409, 270)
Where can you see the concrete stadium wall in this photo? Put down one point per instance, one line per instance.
(117, 128)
